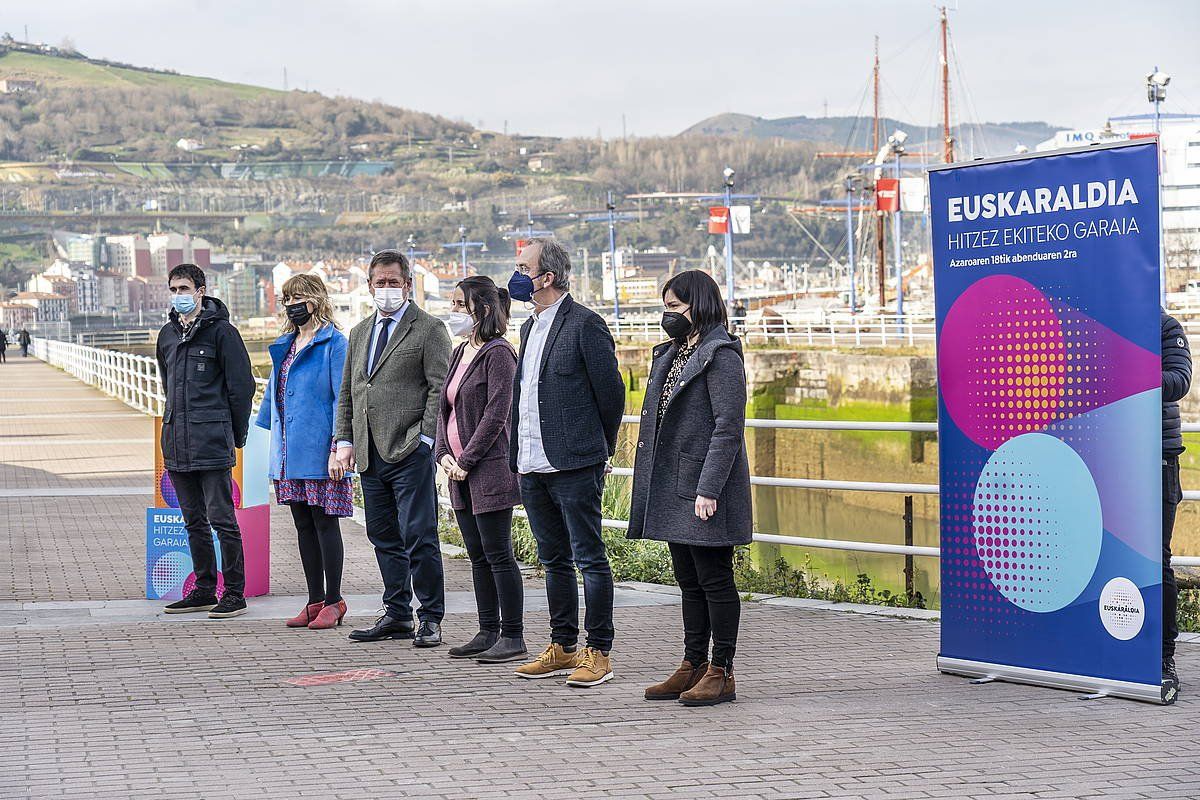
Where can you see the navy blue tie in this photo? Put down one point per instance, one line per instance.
(380, 344)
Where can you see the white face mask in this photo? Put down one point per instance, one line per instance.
(461, 324)
(389, 299)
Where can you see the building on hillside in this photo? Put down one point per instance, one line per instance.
(48, 307)
(111, 296)
(77, 248)
(147, 298)
(169, 250)
(237, 287)
(17, 86)
(129, 255)
(14, 316)
(58, 279)
(189, 145)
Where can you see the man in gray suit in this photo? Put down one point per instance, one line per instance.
(386, 423)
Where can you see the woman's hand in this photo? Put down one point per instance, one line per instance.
(705, 507)
(453, 471)
(337, 470)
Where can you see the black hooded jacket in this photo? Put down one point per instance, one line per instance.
(209, 386)
(1176, 380)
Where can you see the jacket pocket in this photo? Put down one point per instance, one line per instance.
(202, 365)
(497, 479)
(687, 476)
(579, 426)
(210, 435)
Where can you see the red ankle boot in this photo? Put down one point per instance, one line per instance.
(329, 616)
(306, 616)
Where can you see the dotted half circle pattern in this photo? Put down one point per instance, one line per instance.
(1037, 522)
(1003, 367)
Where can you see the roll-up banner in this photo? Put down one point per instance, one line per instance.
(1046, 274)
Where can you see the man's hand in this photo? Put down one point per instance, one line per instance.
(345, 459)
(705, 507)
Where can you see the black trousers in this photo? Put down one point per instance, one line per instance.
(319, 537)
(711, 606)
(564, 515)
(401, 512)
(499, 594)
(1172, 495)
(206, 500)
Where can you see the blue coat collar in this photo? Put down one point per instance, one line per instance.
(280, 347)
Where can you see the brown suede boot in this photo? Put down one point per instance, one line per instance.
(683, 679)
(716, 686)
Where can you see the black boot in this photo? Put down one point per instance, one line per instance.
(482, 641)
(508, 648)
(385, 628)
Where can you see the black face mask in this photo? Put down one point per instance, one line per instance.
(299, 314)
(677, 326)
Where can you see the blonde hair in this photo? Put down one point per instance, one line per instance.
(312, 288)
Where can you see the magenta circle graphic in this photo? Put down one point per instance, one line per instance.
(1003, 364)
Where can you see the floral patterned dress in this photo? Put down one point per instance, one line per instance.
(677, 365)
(335, 498)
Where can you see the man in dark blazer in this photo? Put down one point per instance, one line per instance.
(567, 405)
(385, 428)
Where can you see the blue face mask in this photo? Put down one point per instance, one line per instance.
(520, 287)
(183, 303)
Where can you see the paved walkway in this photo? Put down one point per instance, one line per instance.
(100, 697)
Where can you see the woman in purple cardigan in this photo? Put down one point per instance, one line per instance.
(472, 449)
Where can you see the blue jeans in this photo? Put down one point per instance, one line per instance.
(564, 514)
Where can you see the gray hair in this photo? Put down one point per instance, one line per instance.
(553, 257)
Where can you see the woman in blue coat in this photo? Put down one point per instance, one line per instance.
(298, 408)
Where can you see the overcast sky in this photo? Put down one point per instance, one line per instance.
(560, 67)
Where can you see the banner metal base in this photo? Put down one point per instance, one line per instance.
(1160, 694)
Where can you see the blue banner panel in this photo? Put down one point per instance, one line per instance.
(1046, 274)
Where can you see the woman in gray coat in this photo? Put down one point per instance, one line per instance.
(691, 480)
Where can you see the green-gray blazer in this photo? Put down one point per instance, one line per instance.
(398, 402)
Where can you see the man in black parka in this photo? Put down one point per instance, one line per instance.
(1176, 381)
(209, 389)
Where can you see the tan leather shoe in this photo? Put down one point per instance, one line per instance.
(683, 679)
(594, 669)
(716, 686)
(554, 660)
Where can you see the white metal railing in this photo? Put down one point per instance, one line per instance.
(122, 338)
(857, 331)
(134, 380)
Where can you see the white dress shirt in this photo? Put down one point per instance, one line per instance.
(531, 455)
(395, 317)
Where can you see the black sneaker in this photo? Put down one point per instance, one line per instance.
(1168, 669)
(231, 605)
(479, 644)
(195, 600)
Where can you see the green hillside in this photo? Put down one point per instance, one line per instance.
(55, 71)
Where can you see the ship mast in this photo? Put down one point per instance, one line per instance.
(880, 250)
(947, 139)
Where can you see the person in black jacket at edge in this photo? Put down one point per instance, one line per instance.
(1176, 380)
(209, 389)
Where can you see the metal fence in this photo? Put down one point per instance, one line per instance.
(134, 380)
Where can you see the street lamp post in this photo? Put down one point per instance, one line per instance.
(896, 141)
(853, 184)
(612, 255)
(1156, 93)
(462, 244)
(728, 172)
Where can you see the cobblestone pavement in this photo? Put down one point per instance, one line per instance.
(830, 705)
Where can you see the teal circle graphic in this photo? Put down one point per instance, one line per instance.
(1038, 523)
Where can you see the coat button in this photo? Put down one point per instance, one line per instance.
(368, 386)
(641, 444)
(643, 412)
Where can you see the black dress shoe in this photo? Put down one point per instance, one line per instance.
(428, 635)
(385, 628)
(480, 643)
